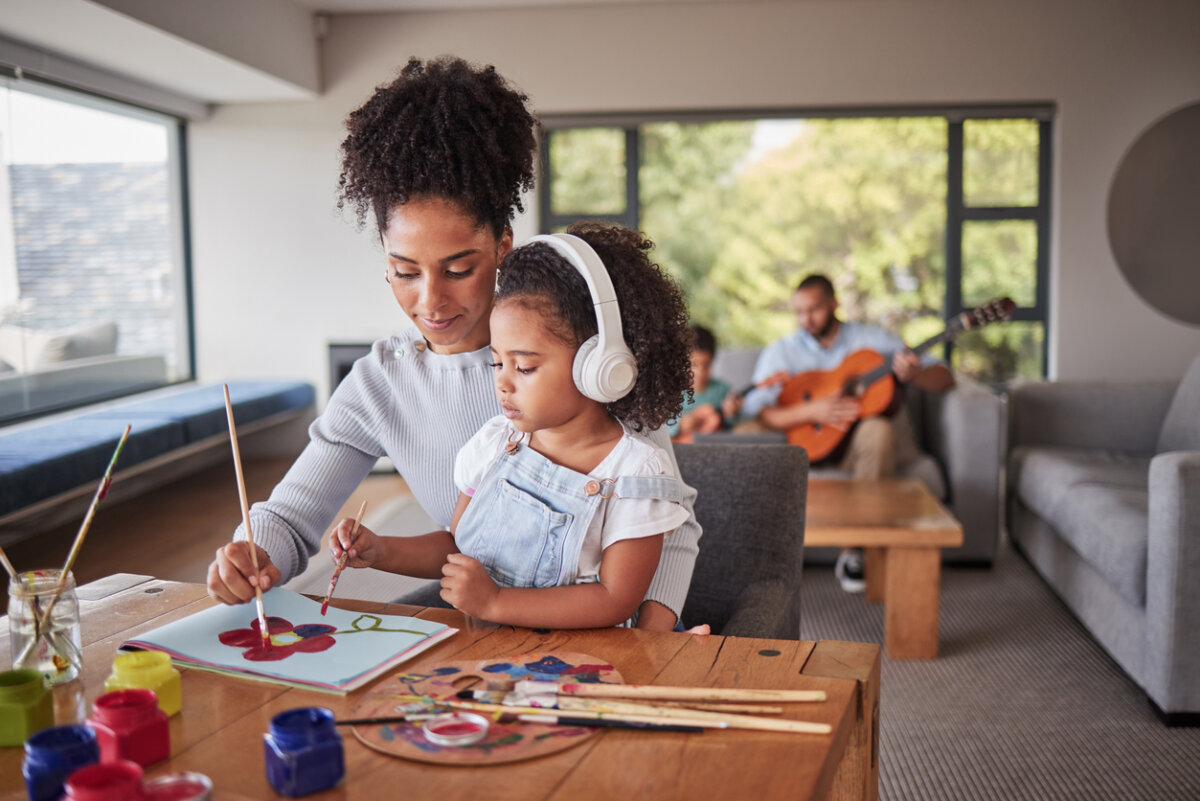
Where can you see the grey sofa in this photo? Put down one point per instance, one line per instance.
(1104, 501)
(961, 436)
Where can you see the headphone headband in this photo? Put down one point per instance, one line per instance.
(605, 369)
(587, 261)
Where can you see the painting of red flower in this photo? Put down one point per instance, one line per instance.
(282, 641)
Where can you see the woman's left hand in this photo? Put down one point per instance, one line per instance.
(467, 586)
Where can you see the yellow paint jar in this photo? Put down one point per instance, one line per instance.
(147, 670)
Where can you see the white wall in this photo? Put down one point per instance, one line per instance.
(278, 275)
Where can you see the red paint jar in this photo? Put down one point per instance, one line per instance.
(129, 725)
(114, 781)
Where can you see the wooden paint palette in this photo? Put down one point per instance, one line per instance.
(505, 742)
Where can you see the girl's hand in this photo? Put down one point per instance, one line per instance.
(467, 586)
(364, 548)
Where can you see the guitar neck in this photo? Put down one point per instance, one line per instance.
(953, 328)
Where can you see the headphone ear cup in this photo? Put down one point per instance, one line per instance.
(603, 377)
(584, 373)
(617, 374)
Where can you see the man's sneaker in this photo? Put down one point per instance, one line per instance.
(849, 570)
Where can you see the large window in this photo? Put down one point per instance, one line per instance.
(93, 291)
(914, 218)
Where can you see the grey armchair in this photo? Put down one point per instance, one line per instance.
(751, 504)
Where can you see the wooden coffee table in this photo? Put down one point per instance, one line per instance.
(902, 529)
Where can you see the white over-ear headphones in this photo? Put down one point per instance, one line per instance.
(604, 368)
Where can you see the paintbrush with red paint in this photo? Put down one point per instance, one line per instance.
(341, 562)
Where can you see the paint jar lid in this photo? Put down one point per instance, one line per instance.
(456, 729)
(185, 786)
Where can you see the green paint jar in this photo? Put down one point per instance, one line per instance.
(26, 706)
(147, 670)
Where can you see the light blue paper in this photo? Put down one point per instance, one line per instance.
(365, 644)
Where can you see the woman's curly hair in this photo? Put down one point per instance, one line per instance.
(654, 317)
(444, 128)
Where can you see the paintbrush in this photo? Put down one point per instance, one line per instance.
(12, 571)
(531, 688)
(582, 714)
(241, 481)
(416, 716)
(565, 720)
(500, 697)
(557, 720)
(40, 620)
(341, 562)
(662, 715)
(695, 717)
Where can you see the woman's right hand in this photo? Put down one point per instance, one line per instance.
(364, 546)
(231, 576)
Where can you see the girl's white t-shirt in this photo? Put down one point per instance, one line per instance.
(617, 518)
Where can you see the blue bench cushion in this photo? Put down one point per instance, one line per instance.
(42, 461)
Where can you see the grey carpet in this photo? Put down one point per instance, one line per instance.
(1021, 703)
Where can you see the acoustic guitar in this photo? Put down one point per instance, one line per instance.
(867, 376)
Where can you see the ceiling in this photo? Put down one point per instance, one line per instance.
(186, 51)
(369, 6)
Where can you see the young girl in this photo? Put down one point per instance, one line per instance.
(563, 505)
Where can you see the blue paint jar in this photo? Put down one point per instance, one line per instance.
(303, 751)
(52, 755)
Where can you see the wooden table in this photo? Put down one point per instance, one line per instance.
(219, 732)
(902, 528)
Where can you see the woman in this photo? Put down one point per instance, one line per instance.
(440, 157)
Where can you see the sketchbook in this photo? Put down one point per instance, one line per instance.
(336, 653)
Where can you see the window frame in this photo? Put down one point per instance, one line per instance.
(957, 212)
(178, 226)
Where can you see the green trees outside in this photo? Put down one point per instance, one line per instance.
(861, 200)
(741, 210)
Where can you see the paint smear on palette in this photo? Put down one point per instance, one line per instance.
(505, 741)
(550, 668)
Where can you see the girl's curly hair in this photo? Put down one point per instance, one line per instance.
(444, 128)
(653, 315)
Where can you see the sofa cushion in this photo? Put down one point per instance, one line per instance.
(1181, 427)
(29, 349)
(1097, 501)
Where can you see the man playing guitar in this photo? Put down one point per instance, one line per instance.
(875, 445)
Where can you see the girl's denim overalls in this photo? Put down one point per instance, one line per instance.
(527, 520)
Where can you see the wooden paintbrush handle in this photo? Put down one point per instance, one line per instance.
(667, 693)
(694, 715)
